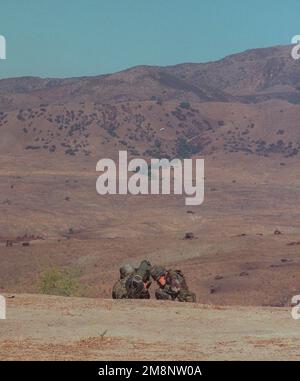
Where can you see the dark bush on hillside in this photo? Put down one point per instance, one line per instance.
(185, 105)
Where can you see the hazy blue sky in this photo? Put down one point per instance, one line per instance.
(88, 37)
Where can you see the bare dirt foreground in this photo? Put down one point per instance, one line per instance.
(57, 328)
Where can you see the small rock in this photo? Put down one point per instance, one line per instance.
(277, 232)
(213, 289)
(9, 243)
(244, 273)
(293, 243)
(276, 265)
(285, 260)
(189, 235)
(218, 277)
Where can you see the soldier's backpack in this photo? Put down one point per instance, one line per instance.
(135, 288)
(181, 279)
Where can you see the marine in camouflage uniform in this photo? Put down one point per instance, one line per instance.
(137, 284)
(172, 285)
(119, 290)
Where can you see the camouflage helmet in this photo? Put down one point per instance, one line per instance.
(126, 270)
(144, 270)
(157, 272)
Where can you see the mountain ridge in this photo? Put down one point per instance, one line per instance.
(246, 103)
(220, 80)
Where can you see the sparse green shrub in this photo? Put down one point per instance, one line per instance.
(184, 149)
(185, 105)
(157, 143)
(63, 282)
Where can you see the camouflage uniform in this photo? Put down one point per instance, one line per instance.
(175, 287)
(137, 284)
(119, 290)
